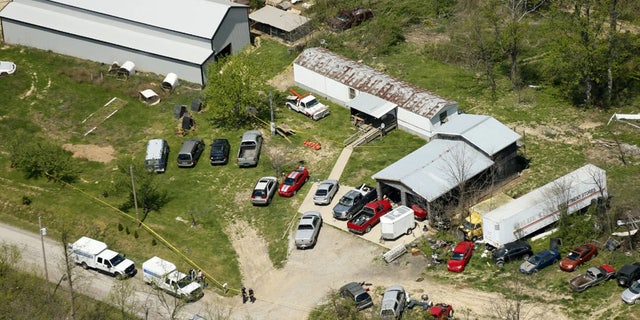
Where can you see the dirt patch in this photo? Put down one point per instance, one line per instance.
(284, 80)
(91, 152)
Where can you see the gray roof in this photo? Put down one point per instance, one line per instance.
(203, 16)
(367, 79)
(431, 170)
(484, 132)
(371, 105)
(87, 25)
(283, 20)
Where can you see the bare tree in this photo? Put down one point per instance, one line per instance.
(172, 304)
(458, 164)
(122, 295)
(68, 266)
(279, 156)
(9, 256)
(512, 305)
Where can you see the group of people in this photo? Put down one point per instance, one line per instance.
(249, 297)
(196, 276)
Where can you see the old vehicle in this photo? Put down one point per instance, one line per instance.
(593, 277)
(264, 190)
(542, 206)
(511, 251)
(308, 229)
(628, 274)
(460, 256)
(307, 104)
(326, 191)
(249, 151)
(471, 227)
(369, 216)
(578, 256)
(394, 301)
(219, 151)
(293, 182)
(441, 311)
(90, 253)
(539, 261)
(632, 294)
(7, 67)
(190, 153)
(355, 293)
(157, 154)
(162, 274)
(353, 201)
(397, 222)
(346, 19)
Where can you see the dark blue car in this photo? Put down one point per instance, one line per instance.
(540, 260)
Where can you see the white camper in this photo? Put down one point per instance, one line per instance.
(397, 222)
(163, 274)
(90, 253)
(157, 154)
(541, 207)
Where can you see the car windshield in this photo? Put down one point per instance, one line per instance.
(457, 256)
(468, 225)
(501, 252)
(116, 260)
(305, 227)
(321, 192)
(535, 259)
(259, 193)
(635, 287)
(573, 255)
(346, 201)
(184, 157)
(183, 282)
(362, 297)
(289, 181)
(312, 103)
(343, 17)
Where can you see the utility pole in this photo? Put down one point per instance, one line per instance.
(273, 124)
(43, 232)
(135, 198)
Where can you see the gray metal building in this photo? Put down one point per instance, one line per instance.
(159, 36)
(460, 150)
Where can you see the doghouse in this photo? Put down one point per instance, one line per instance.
(149, 97)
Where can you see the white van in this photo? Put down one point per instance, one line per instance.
(157, 154)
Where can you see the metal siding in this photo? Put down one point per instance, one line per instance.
(414, 123)
(233, 30)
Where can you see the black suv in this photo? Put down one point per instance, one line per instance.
(628, 274)
(511, 251)
(219, 151)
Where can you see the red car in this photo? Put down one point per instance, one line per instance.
(578, 256)
(441, 311)
(460, 256)
(368, 216)
(293, 182)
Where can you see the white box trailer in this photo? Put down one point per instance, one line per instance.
(91, 253)
(397, 222)
(160, 273)
(542, 206)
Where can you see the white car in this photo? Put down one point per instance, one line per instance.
(632, 294)
(264, 190)
(308, 229)
(7, 67)
(326, 191)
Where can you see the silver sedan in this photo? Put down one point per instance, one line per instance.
(326, 191)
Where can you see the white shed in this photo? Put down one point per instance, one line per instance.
(342, 80)
(161, 36)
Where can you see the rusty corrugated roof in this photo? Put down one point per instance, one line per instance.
(367, 79)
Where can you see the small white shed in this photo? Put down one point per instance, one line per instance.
(170, 82)
(149, 97)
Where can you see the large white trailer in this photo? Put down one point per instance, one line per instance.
(542, 206)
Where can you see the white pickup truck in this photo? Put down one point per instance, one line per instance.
(90, 253)
(307, 105)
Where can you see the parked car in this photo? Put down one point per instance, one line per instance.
(190, 153)
(393, 303)
(578, 256)
(460, 256)
(308, 229)
(346, 19)
(369, 216)
(293, 182)
(511, 251)
(219, 151)
(355, 293)
(628, 274)
(441, 311)
(264, 191)
(539, 261)
(353, 201)
(326, 191)
(593, 277)
(7, 67)
(632, 294)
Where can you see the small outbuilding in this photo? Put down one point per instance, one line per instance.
(149, 97)
(279, 23)
(170, 82)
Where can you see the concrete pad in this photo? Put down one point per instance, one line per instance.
(373, 236)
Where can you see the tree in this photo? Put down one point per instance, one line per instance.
(279, 156)
(148, 194)
(122, 295)
(41, 158)
(236, 91)
(512, 305)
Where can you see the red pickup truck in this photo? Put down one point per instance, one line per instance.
(369, 216)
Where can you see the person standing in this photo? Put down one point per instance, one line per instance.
(244, 294)
(251, 296)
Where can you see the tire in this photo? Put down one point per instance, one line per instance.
(119, 276)
(500, 263)
(526, 256)
(474, 239)
(84, 265)
(368, 229)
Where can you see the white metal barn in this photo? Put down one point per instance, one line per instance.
(344, 81)
(159, 36)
